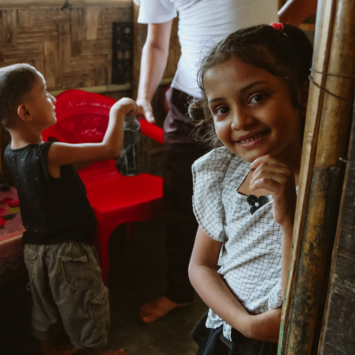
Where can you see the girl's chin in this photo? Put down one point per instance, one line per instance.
(248, 156)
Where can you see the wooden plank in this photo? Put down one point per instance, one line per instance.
(24, 18)
(77, 36)
(65, 47)
(339, 317)
(8, 26)
(92, 22)
(51, 57)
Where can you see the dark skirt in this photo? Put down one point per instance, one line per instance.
(212, 342)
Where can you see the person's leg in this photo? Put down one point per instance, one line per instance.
(180, 152)
(46, 322)
(80, 295)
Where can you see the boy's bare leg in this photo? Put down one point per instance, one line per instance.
(49, 347)
(158, 308)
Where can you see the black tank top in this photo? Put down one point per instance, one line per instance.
(52, 210)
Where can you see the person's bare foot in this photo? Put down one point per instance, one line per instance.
(158, 308)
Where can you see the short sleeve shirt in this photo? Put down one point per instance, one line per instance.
(202, 24)
(250, 258)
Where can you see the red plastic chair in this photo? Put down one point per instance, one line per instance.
(82, 117)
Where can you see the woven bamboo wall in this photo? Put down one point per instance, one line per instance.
(71, 48)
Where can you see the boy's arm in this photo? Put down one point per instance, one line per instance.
(64, 154)
(295, 11)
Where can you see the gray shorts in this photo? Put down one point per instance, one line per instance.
(68, 293)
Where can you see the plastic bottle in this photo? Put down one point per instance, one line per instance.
(130, 157)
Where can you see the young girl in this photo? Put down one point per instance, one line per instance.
(255, 90)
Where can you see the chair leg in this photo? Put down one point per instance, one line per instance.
(129, 232)
(102, 249)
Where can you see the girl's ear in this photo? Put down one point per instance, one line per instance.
(23, 113)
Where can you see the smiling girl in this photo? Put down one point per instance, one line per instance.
(254, 86)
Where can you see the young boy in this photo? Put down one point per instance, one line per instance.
(69, 296)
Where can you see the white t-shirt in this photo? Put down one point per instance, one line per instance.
(202, 23)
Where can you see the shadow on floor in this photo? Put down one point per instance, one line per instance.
(137, 274)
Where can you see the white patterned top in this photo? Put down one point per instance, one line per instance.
(250, 257)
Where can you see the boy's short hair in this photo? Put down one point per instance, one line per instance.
(15, 81)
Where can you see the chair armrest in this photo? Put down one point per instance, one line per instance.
(151, 130)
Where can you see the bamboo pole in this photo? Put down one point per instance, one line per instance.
(319, 190)
(338, 326)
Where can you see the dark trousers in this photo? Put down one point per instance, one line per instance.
(212, 342)
(180, 152)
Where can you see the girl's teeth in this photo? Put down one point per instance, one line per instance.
(250, 139)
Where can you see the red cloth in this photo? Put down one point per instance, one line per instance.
(11, 229)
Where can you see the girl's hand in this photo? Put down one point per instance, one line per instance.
(279, 179)
(266, 326)
(125, 106)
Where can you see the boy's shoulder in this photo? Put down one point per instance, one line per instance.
(36, 153)
(29, 147)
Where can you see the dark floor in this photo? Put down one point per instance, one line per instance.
(137, 274)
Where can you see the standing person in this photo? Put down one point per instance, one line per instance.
(255, 85)
(202, 23)
(69, 297)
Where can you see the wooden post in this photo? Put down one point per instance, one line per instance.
(325, 140)
(338, 327)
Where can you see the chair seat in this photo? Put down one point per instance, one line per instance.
(129, 198)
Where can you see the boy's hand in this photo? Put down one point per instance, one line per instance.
(276, 177)
(125, 106)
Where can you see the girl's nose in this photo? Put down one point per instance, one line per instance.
(54, 100)
(241, 119)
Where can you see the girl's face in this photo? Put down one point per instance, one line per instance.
(252, 111)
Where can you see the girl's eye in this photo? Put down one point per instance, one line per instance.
(257, 98)
(221, 110)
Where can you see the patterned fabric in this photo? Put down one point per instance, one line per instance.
(11, 229)
(250, 257)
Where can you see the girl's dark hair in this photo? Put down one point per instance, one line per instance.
(283, 53)
(15, 81)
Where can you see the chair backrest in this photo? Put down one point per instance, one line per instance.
(82, 117)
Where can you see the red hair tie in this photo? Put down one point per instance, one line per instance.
(277, 26)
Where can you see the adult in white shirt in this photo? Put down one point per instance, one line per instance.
(202, 23)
